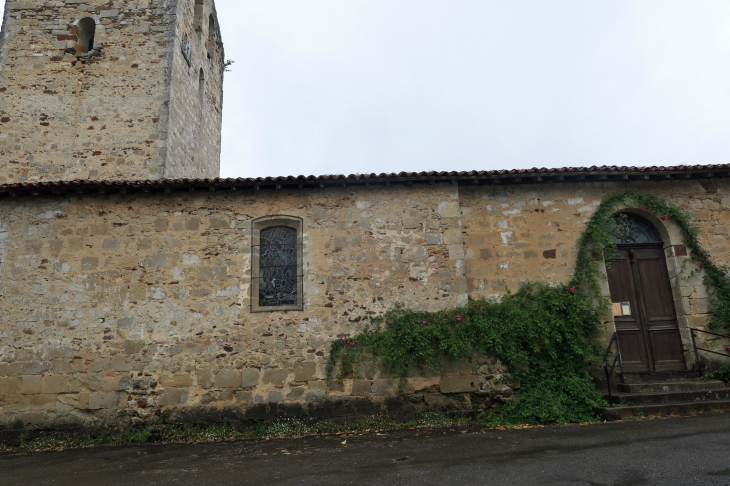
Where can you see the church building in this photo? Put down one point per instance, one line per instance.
(134, 281)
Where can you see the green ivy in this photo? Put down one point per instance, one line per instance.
(546, 335)
(596, 240)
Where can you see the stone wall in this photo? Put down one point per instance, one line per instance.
(528, 233)
(140, 302)
(115, 307)
(194, 135)
(56, 118)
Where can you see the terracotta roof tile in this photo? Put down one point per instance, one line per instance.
(513, 176)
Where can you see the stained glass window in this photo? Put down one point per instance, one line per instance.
(278, 279)
(630, 228)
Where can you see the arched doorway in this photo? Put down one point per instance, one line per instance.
(643, 306)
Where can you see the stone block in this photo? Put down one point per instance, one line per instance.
(228, 379)
(276, 377)
(314, 395)
(120, 364)
(176, 380)
(67, 402)
(17, 403)
(205, 378)
(434, 239)
(44, 401)
(172, 397)
(411, 224)
(89, 263)
(112, 12)
(306, 371)
(365, 370)
(157, 260)
(459, 383)
(10, 385)
(132, 347)
(296, 393)
(449, 209)
(30, 384)
(362, 388)
(102, 400)
(127, 322)
(456, 252)
(11, 369)
(275, 396)
(54, 384)
(35, 367)
(416, 254)
(452, 237)
(245, 396)
(418, 384)
(383, 388)
(249, 377)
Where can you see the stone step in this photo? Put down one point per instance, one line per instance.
(663, 410)
(660, 376)
(667, 386)
(671, 397)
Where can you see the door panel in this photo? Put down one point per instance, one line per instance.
(668, 353)
(660, 317)
(630, 335)
(658, 303)
(649, 339)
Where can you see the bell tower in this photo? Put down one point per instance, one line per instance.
(110, 90)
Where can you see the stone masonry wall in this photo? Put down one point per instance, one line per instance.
(56, 118)
(116, 307)
(112, 307)
(194, 136)
(528, 233)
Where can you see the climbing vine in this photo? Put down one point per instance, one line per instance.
(545, 335)
(596, 240)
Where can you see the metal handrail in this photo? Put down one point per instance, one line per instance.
(616, 359)
(694, 343)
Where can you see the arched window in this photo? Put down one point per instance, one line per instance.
(212, 37)
(198, 20)
(627, 228)
(276, 268)
(84, 32)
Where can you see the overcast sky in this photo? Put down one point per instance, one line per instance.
(357, 86)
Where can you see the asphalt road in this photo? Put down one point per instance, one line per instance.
(677, 451)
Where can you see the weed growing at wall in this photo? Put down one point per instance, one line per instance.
(545, 335)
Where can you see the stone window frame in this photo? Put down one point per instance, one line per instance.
(262, 223)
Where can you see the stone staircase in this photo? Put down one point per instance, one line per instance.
(663, 394)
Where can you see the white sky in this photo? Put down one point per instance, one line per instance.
(348, 86)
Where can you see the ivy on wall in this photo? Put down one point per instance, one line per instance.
(546, 335)
(596, 240)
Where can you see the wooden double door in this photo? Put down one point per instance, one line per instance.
(645, 316)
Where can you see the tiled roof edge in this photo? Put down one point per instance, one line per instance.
(595, 173)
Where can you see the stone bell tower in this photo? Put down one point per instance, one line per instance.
(110, 89)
